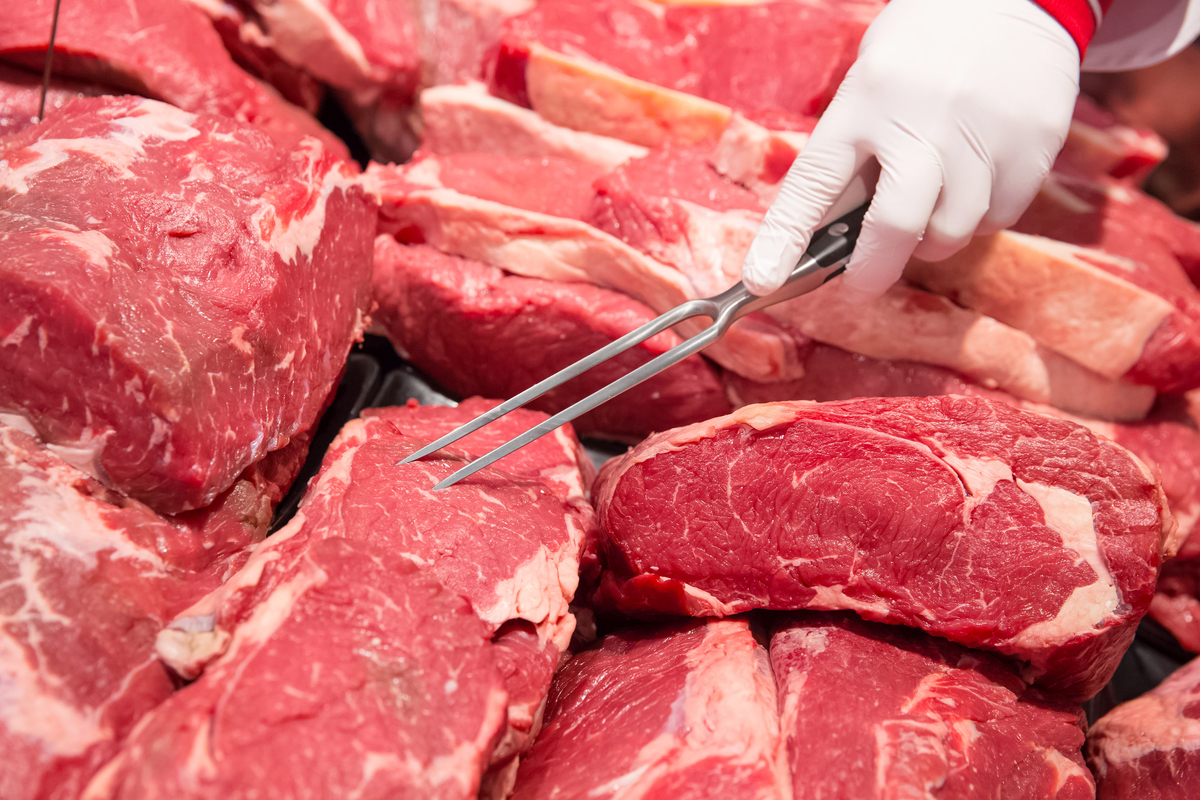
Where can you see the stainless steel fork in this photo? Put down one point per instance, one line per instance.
(825, 257)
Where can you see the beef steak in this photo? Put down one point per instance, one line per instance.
(179, 294)
(989, 526)
(1149, 747)
(477, 331)
(685, 711)
(878, 711)
(357, 676)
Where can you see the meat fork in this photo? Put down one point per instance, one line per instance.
(825, 257)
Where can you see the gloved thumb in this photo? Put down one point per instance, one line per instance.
(817, 178)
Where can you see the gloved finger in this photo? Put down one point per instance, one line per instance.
(964, 201)
(905, 197)
(1018, 180)
(817, 178)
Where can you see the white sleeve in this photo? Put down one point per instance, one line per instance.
(1138, 33)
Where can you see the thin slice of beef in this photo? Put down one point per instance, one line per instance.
(161, 49)
(1125, 320)
(509, 540)
(358, 675)
(988, 526)
(477, 331)
(878, 711)
(1149, 747)
(418, 208)
(466, 119)
(195, 288)
(87, 580)
(683, 711)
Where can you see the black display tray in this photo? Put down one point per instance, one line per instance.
(376, 376)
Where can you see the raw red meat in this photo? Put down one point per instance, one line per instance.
(417, 208)
(240, 28)
(989, 526)
(509, 540)
(1127, 320)
(673, 206)
(1097, 144)
(477, 331)
(878, 711)
(1149, 747)
(20, 93)
(682, 712)
(87, 579)
(184, 277)
(357, 676)
(1176, 603)
(1118, 219)
(466, 119)
(162, 49)
(787, 56)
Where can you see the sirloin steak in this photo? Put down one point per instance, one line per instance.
(1149, 747)
(879, 711)
(195, 289)
(684, 712)
(992, 527)
(477, 331)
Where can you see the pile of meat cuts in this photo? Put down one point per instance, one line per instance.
(871, 552)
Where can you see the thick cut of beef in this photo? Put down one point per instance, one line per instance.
(1125, 320)
(756, 57)
(356, 676)
(162, 49)
(878, 711)
(418, 208)
(87, 580)
(509, 541)
(195, 288)
(466, 119)
(478, 331)
(686, 711)
(992, 527)
(1149, 747)
(21, 91)
(1176, 603)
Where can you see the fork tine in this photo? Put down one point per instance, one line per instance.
(676, 354)
(692, 308)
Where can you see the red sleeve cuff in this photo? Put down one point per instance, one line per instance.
(1079, 17)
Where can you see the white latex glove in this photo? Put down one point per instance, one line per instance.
(965, 104)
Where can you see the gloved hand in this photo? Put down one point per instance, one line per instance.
(965, 104)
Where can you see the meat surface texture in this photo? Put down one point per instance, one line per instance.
(87, 580)
(877, 711)
(162, 49)
(687, 711)
(995, 528)
(477, 331)
(509, 541)
(356, 676)
(418, 207)
(21, 91)
(1149, 747)
(672, 73)
(195, 289)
